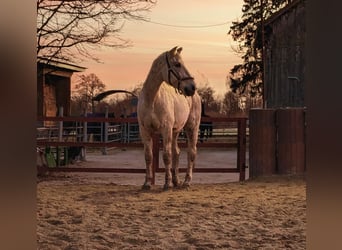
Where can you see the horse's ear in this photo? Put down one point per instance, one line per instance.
(173, 51)
(179, 50)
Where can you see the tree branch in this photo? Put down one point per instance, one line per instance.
(70, 29)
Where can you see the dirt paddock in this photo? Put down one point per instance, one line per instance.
(110, 211)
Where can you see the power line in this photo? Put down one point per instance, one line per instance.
(189, 26)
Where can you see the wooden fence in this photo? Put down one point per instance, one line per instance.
(277, 141)
(80, 138)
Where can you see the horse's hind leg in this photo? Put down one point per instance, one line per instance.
(210, 129)
(192, 135)
(167, 151)
(202, 131)
(175, 160)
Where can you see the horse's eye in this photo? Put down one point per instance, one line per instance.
(178, 65)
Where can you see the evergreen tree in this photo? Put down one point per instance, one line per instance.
(247, 76)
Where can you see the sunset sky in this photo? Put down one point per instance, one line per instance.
(207, 52)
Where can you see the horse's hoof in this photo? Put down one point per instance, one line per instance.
(176, 184)
(146, 186)
(186, 185)
(166, 187)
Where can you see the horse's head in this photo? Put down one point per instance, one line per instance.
(176, 74)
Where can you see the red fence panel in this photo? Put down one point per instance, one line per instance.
(241, 124)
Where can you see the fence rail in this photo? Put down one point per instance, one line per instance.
(125, 131)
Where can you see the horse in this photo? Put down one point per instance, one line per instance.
(206, 127)
(168, 103)
(206, 130)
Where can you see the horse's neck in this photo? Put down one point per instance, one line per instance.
(151, 86)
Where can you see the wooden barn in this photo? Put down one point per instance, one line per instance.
(277, 132)
(284, 41)
(54, 86)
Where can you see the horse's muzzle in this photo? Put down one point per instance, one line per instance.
(189, 90)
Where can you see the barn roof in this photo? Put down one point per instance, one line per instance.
(60, 64)
(282, 11)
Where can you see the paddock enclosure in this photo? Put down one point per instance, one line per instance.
(87, 205)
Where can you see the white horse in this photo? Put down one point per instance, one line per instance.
(168, 102)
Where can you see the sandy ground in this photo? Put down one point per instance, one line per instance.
(110, 211)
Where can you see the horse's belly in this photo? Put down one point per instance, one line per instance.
(182, 111)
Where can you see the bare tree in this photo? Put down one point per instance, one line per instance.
(86, 89)
(207, 94)
(210, 103)
(68, 29)
(230, 105)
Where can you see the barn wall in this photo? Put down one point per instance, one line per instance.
(285, 58)
(53, 91)
(57, 94)
(49, 107)
(40, 92)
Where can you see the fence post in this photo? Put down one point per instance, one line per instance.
(241, 151)
(123, 132)
(60, 136)
(155, 153)
(105, 134)
(60, 125)
(85, 137)
(128, 132)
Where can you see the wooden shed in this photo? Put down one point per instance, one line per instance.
(284, 41)
(54, 86)
(277, 132)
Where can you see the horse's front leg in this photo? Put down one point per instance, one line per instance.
(175, 159)
(148, 161)
(167, 140)
(192, 135)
